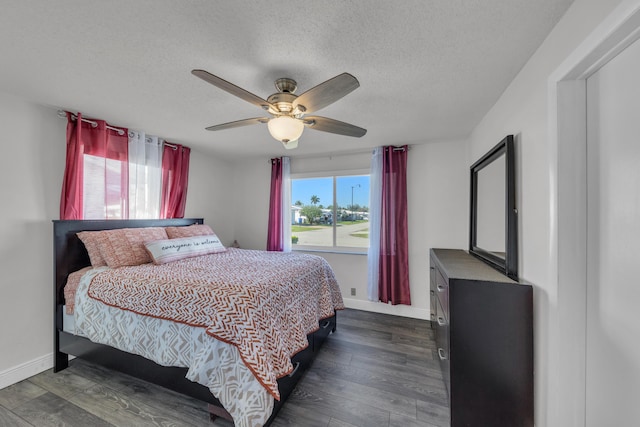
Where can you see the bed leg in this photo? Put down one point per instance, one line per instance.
(60, 361)
(217, 411)
(335, 324)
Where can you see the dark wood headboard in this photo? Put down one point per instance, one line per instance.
(70, 254)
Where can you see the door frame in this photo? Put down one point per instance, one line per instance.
(568, 210)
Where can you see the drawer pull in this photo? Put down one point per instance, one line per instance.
(441, 321)
(441, 288)
(325, 325)
(295, 369)
(432, 292)
(441, 354)
(433, 316)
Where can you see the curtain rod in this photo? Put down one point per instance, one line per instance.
(63, 114)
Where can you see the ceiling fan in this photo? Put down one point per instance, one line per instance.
(288, 110)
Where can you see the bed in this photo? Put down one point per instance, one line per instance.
(218, 355)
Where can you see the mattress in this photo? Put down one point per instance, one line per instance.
(68, 321)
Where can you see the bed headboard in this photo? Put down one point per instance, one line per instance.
(70, 254)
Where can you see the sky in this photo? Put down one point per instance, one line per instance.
(303, 189)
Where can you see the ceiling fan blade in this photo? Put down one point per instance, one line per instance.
(325, 124)
(239, 123)
(231, 88)
(326, 93)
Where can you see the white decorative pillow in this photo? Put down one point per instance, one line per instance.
(164, 251)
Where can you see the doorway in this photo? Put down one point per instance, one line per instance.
(613, 233)
(592, 381)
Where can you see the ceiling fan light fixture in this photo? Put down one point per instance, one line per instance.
(288, 110)
(285, 129)
(291, 144)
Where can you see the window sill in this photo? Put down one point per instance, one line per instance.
(339, 251)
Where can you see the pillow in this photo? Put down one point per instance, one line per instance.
(164, 251)
(125, 246)
(91, 240)
(189, 231)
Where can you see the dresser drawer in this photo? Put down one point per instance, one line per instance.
(442, 292)
(433, 309)
(433, 298)
(442, 343)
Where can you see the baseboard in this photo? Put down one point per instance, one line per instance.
(25, 370)
(378, 307)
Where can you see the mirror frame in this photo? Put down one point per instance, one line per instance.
(508, 265)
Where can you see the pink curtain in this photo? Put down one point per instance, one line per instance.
(275, 232)
(105, 170)
(71, 198)
(393, 285)
(175, 179)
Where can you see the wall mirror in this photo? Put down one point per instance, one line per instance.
(493, 231)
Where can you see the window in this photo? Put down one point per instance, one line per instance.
(103, 182)
(122, 188)
(330, 212)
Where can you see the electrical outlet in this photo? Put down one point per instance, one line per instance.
(353, 291)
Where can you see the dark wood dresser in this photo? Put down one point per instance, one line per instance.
(484, 334)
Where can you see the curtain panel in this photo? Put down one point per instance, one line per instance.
(286, 204)
(375, 205)
(393, 248)
(95, 183)
(275, 237)
(71, 200)
(145, 175)
(175, 180)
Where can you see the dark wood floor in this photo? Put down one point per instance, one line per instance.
(376, 370)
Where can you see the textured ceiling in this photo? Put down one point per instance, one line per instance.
(428, 69)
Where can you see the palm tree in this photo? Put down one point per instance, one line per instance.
(298, 203)
(315, 199)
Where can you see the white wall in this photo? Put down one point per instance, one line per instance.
(251, 183)
(438, 210)
(33, 157)
(523, 110)
(211, 194)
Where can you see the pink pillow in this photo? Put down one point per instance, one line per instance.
(125, 246)
(189, 231)
(91, 240)
(164, 251)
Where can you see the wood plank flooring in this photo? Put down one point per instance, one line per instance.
(376, 370)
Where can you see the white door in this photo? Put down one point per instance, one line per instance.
(613, 248)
